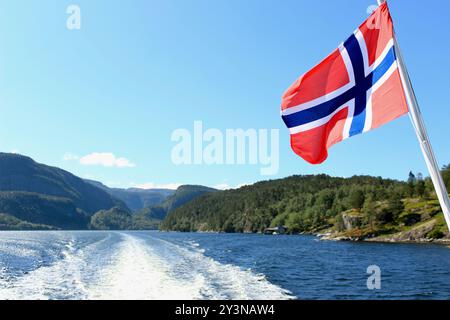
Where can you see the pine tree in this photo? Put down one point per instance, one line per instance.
(369, 210)
(356, 199)
(410, 187)
(420, 186)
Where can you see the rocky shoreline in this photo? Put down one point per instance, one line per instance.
(418, 233)
(400, 237)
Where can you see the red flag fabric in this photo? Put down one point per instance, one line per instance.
(355, 89)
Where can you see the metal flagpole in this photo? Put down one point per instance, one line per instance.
(421, 132)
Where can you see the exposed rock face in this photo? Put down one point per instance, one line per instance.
(351, 221)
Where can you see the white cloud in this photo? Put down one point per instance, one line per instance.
(222, 186)
(152, 185)
(106, 159)
(226, 186)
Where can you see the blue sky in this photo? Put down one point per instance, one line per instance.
(138, 70)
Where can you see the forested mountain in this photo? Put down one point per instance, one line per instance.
(150, 217)
(40, 209)
(300, 202)
(9, 222)
(39, 196)
(360, 205)
(21, 173)
(183, 195)
(136, 199)
(116, 218)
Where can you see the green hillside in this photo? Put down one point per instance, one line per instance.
(37, 196)
(116, 218)
(21, 173)
(42, 209)
(357, 207)
(151, 217)
(8, 222)
(136, 199)
(183, 195)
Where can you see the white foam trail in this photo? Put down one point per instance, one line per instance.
(138, 267)
(17, 248)
(221, 281)
(62, 280)
(138, 274)
(164, 270)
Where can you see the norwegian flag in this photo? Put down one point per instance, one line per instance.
(355, 89)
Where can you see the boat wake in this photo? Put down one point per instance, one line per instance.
(133, 266)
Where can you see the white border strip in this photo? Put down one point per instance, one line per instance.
(362, 44)
(349, 120)
(324, 120)
(385, 76)
(368, 120)
(327, 97)
(345, 56)
(351, 105)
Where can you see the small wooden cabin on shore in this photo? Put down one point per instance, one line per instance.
(276, 230)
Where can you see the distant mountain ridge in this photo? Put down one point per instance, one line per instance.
(135, 198)
(21, 173)
(152, 216)
(184, 194)
(37, 196)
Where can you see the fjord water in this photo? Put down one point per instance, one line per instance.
(159, 265)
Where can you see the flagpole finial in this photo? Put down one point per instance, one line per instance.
(380, 2)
